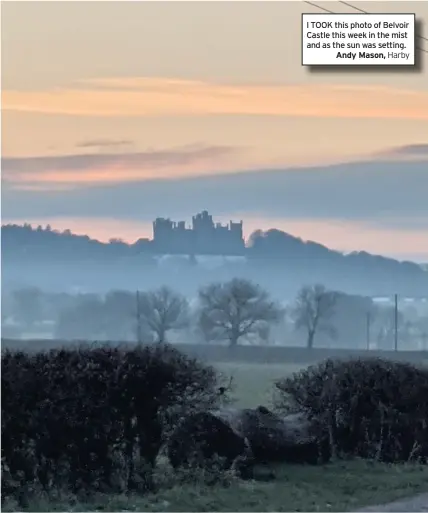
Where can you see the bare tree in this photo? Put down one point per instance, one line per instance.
(313, 310)
(235, 309)
(162, 310)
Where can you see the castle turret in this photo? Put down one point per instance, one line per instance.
(204, 237)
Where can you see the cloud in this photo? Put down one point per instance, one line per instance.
(100, 143)
(111, 167)
(139, 97)
(404, 153)
(411, 150)
(383, 193)
(37, 187)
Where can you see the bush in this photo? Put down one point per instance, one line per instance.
(94, 418)
(371, 408)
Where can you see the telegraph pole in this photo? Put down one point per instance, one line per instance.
(368, 319)
(396, 322)
(137, 297)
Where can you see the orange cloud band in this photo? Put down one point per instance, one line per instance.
(139, 97)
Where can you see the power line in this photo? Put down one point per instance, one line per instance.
(365, 12)
(319, 7)
(353, 7)
(362, 11)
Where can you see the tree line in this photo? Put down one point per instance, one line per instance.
(233, 312)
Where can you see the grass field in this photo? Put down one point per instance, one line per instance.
(253, 383)
(338, 486)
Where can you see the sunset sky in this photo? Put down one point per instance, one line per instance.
(114, 113)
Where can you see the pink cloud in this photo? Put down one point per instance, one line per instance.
(146, 96)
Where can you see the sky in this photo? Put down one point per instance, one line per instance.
(115, 113)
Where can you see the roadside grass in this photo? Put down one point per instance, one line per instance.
(341, 486)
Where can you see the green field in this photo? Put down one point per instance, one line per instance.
(339, 486)
(253, 383)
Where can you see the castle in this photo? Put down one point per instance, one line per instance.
(204, 237)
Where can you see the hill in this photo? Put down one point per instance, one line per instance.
(270, 255)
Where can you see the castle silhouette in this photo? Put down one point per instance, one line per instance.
(204, 237)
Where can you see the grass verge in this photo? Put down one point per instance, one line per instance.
(340, 486)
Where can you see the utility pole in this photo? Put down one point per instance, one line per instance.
(396, 322)
(368, 319)
(137, 297)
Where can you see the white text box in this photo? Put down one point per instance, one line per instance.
(358, 39)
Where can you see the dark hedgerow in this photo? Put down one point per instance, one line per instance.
(94, 418)
(372, 408)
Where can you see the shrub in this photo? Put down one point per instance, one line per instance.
(371, 408)
(94, 418)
